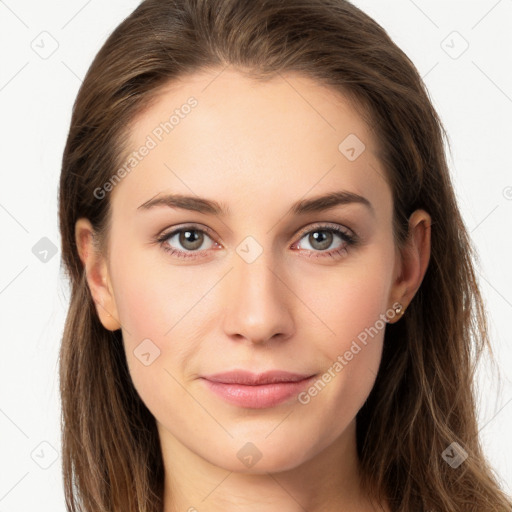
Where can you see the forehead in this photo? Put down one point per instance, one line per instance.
(222, 134)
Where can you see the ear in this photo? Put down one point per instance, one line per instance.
(412, 261)
(97, 275)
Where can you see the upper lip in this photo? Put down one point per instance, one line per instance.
(255, 379)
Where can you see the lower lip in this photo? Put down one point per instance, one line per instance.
(258, 397)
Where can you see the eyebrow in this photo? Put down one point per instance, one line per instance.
(212, 207)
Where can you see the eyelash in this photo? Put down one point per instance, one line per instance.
(349, 240)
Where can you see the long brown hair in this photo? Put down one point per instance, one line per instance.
(423, 399)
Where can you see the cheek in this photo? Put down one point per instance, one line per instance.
(351, 302)
(157, 341)
(352, 297)
(153, 297)
(155, 305)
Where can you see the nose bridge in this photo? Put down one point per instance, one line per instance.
(257, 303)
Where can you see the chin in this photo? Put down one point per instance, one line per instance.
(259, 457)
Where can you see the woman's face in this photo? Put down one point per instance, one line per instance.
(263, 275)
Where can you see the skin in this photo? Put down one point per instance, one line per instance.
(256, 148)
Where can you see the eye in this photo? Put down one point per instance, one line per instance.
(321, 239)
(194, 242)
(187, 241)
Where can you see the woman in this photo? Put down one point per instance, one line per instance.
(273, 303)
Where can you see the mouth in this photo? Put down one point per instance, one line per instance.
(257, 391)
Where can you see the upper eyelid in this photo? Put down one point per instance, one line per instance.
(325, 226)
(193, 227)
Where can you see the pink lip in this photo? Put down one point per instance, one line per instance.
(257, 391)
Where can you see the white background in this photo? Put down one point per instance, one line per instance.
(473, 94)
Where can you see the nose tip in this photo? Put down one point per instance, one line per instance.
(257, 303)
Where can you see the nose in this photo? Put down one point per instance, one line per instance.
(258, 302)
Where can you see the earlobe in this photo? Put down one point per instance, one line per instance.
(394, 313)
(97, 276)
(414, 259)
